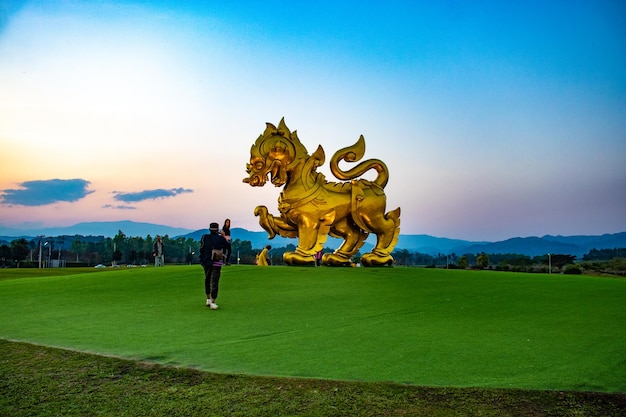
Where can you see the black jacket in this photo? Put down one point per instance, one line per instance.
(210, 242)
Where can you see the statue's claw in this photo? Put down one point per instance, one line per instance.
(332, 259)
(265, 220)
(372, 259)
(293, 258)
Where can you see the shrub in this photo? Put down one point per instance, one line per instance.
(573, 270)
(617, 264)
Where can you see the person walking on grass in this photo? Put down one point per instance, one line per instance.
(212, 249)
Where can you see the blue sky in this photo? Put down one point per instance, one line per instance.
(496, 119)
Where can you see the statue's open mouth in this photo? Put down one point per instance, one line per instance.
(256, 180)
(278, 173)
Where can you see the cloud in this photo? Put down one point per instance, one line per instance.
(149, 194)
(119, 207)
(44, 192)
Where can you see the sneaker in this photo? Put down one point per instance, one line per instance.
(214, 306)
(209, 302)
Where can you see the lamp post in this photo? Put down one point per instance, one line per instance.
(549, 264)
(40, 238)
(191, 254)
(49, 252)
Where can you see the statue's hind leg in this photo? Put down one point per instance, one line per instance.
(387, 229)
(353, 237)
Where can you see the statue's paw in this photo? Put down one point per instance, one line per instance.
(372, 259)
(265, 220)
(260, 210)
(332, 259)
(293, 258)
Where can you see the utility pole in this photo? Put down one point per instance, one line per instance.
(549, 264)
(40, 238)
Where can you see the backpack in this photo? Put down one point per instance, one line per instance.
(217, 255)
(213, 255)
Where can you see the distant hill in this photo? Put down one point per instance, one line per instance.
(106, 229)
(259, 239)
(432, 245)
(606, 241)
(535, 246)
(530, 246)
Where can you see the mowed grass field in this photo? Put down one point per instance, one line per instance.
(426, 327)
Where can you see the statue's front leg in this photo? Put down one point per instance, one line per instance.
(274, 225)
(305, 252)
(312, 234)
(266, 220)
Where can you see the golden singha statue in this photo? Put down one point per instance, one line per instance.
(312, 208)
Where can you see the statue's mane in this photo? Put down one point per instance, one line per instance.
(279, 141)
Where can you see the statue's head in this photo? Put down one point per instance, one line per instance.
(274, 153)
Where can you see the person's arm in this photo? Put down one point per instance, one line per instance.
(202, 249)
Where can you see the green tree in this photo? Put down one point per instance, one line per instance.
(117, 255)
(78, 248)
(605, 254)
(19, 250)
(242, 249)
(463, 262)
(423, 259)
(5, 254)
(482, 260)
(120, 246)
(402, 257)
(557, 260)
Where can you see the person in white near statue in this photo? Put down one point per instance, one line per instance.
(158, 252)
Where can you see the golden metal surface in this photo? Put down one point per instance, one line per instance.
(312, 208)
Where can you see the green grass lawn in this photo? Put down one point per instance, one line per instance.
(426, 327)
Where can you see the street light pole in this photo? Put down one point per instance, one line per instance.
(45, 244)
(40, 237)
(549, 264)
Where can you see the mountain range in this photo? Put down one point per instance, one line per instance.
(106, 229)
(530, 246)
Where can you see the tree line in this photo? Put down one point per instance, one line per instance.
(135, 250)
(120, 249)
(499, 261)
